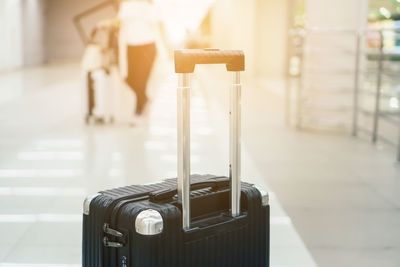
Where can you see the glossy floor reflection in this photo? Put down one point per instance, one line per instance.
(49, 160)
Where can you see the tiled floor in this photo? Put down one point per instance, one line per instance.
(340, 193)
(49, 160)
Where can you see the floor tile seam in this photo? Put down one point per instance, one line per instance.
(328, 209)
(383, 196)
(328, 181)
(16, 244)
(355, 248)
(273, 247)
(30, 227)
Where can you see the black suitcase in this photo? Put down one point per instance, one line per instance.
(194, 220)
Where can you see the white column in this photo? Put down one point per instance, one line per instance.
(339, 13)
(329, 62)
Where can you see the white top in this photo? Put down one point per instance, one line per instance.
(139, 22)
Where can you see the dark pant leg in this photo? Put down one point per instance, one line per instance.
(140, 62)
(90, 91)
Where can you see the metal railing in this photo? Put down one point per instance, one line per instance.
(298, 50)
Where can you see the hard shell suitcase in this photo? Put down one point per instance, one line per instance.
(194, 220)
(100, 97)
(99, 63)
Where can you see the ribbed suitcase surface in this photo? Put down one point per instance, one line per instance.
(222, 241)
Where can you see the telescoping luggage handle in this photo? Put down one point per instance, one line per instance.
(185, 61)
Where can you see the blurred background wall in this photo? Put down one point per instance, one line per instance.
(234, 27)
(22, 26)
(33, 31)
(11, 47)
(38, 31)
(259, 27)
(272, 24)
(65, 44)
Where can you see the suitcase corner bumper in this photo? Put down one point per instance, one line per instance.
(264, 195)
(86, 203)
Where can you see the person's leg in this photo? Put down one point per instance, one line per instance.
(140, 62)
(131, 52)
(90, 97)
(144, 63)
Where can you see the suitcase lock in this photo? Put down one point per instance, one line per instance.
(107, 243)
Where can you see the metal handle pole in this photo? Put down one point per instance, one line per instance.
(183, 94)
(183, 111)
(378, 91)
(356, 85)
(235, 144)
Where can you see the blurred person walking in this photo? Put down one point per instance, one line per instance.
(139, 27)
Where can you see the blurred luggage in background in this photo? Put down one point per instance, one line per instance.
(107, 99)
(100, 63)
(121, 54)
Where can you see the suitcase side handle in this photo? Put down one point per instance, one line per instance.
(186, 59)
(164, 194)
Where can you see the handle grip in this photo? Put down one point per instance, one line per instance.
(186, 59)
(214, 183)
